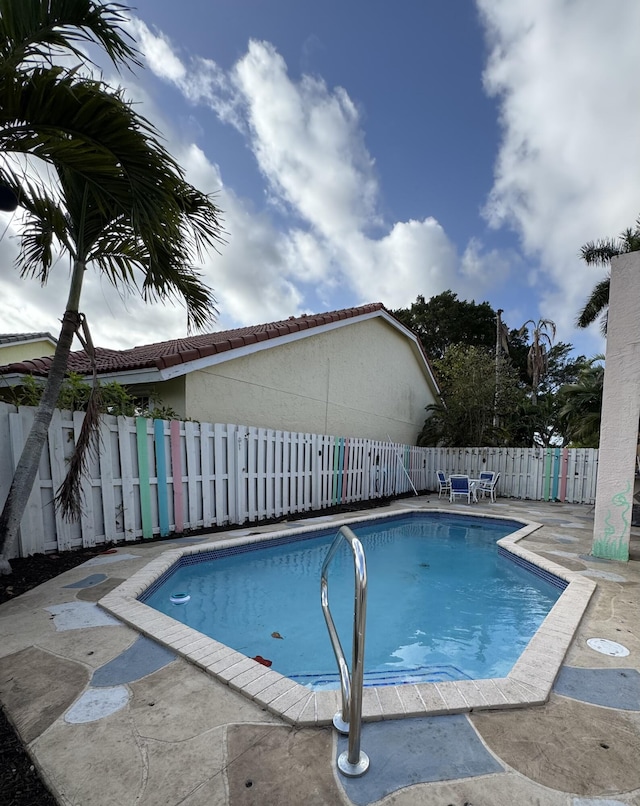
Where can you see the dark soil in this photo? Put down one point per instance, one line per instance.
(20, 784)
(29, 572)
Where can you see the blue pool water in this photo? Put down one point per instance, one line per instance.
(443, 602)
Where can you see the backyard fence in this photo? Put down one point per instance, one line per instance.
(158, 477)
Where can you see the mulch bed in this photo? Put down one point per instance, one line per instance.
(29, 572)
(20, 783)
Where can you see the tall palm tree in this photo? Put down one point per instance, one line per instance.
(538, 355)
(599, 253)
(119, 202)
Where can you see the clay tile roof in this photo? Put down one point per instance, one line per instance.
(12, 338)
(179, 351)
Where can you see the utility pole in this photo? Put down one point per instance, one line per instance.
(499, 337)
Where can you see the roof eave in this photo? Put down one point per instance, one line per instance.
(249, 349)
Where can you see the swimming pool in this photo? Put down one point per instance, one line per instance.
(443, 603)
(528, 682)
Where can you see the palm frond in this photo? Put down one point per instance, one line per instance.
(596, 304)
(94, 137)
(83, 126)
(69, 498)
(599, 253)
(166, 275)
(45, 227)
(35, 30)
(546, 324)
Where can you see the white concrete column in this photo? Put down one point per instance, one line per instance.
(620, 412)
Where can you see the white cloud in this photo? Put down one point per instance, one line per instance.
(415, 257)
(159, 53)
(250, 275)
(483, 270)
(568, 170)
(308, 143)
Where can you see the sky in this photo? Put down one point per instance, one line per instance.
(371, 151)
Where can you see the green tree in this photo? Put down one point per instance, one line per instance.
(599, 253)
(120, 202)
(466, 416)
(444, 320)
(581, 405)
(543, 420)
(76, 395)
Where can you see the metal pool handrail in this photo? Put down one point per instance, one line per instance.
(353, 762)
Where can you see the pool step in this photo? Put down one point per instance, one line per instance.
(395, 677)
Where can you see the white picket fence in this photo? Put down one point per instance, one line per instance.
(158, 477)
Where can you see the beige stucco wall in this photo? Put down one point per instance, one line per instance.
(169, 393)
(23, 351)
(360, 380)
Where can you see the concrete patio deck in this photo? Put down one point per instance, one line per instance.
(111, 717)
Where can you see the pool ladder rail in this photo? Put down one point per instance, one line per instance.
(353, 762)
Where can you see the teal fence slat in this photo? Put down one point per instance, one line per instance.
(161, 473)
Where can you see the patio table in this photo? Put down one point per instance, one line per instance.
(473, 486)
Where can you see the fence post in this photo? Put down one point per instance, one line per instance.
(239, 475)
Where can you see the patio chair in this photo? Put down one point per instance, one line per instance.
(487, 485)
(443, 483)
(460, 486)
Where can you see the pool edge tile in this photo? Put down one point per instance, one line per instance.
(327, 705)
(452, 697)
(391, 702)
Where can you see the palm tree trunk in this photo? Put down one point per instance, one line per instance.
(27, 467)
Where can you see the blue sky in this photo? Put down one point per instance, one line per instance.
(374, 151)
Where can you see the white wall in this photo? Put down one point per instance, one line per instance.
(620, 412)
(363, 380)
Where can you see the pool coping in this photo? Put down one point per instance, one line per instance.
(528, 683)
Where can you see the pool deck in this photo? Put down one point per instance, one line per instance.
(111, 717)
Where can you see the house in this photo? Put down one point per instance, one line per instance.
(23, 346)
(354, 372)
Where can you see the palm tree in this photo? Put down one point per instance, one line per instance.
(120, 203)
(538, 355)
(599, 253)
(581, 405)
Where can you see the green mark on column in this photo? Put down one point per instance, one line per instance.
(614, 544)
